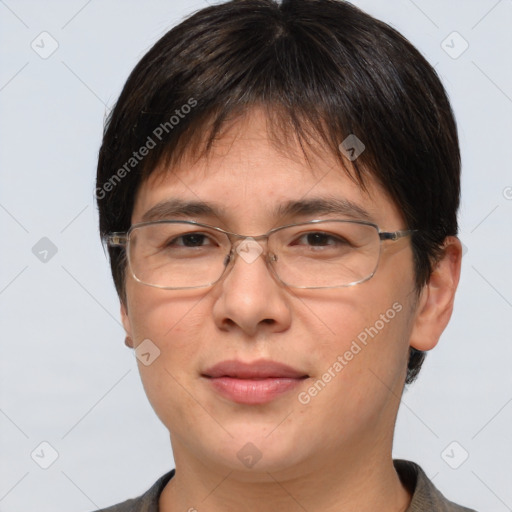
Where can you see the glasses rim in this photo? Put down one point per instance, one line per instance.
(122, 239)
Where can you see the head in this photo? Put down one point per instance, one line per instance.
(247, 105)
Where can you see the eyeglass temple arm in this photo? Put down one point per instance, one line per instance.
(115, 239)
(395, 235)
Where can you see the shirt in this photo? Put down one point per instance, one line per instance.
(425, 496)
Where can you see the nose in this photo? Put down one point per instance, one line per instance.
(249, 296)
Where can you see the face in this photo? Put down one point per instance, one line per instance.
(345, 349)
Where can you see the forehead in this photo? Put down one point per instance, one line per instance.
(250, 172)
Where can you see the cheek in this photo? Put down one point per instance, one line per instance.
(340, 319)
(359, 386)
(361, 356)
(164, 317)
(176, 327)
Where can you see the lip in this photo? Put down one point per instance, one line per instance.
(261, 369)
(254, 383)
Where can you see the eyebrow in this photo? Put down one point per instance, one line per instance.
(172, 208)
(179, 208)
(317, 206)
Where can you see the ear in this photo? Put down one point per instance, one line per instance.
(435, 304)
(127, 325)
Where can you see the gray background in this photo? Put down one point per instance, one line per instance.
(66, 377)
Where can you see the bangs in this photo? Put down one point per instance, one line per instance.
(288, 129)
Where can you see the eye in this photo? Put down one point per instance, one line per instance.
(189, 240)
(321, 239)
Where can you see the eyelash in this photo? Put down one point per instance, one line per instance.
(330, 237)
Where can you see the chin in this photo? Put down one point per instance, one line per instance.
(251, 454)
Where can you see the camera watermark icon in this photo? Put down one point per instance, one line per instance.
(507, 193)
(455, 455)
(44, 250)
(45, 45)
(147, 352)
(352, 147)
(249, 455)
(44, 455)
(454, 45)
(249, 250)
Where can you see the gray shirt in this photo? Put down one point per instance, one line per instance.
(425, 497)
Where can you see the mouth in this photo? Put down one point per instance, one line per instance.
(253, 383)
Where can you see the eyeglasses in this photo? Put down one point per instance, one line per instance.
(178, 255)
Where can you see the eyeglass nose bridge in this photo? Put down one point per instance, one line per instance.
(249, 249)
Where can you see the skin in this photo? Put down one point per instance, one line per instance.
(333, 453)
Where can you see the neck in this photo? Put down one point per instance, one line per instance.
(351, 484)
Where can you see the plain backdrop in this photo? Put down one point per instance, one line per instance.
(66, 377)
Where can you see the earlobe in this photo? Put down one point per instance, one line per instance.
(127, 326)
(435, 304)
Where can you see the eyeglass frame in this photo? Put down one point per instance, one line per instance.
(122, 239)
